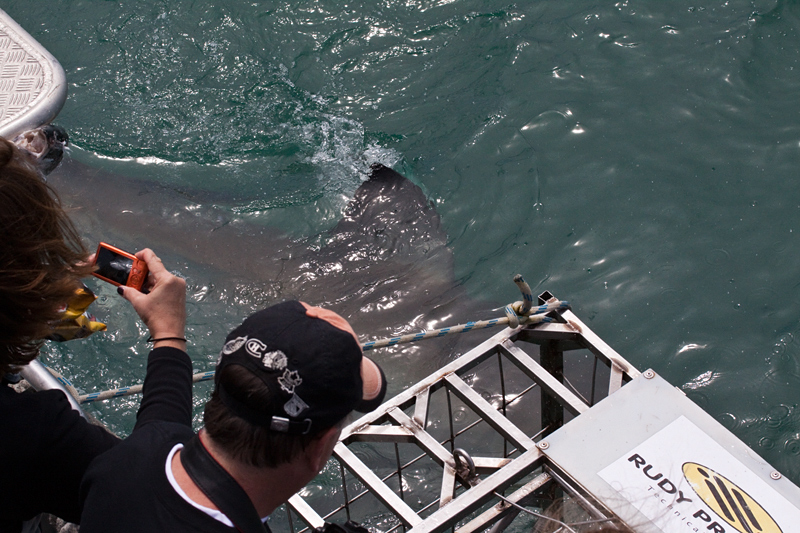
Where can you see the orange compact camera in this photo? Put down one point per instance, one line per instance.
(119, 267)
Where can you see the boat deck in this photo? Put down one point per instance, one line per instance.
(33, 86)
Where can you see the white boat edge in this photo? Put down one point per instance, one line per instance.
(29, 97)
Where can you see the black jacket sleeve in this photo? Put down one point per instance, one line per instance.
(167, 388)
(47, 447)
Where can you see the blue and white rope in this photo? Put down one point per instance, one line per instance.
(536, 316)
(518, 313)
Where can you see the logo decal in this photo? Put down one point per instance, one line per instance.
(289, 380)
(255, 347)
(275, 360)
(233, 345)
(295, 406)
(730, 502)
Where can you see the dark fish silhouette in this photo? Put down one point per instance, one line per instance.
(385, 266)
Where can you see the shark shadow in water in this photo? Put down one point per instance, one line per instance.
(385, 266)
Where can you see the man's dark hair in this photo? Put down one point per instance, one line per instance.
(41, 258)
(240, 440)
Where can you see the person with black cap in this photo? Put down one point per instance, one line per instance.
(286, 380)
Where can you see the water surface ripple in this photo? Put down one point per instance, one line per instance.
(638, 159)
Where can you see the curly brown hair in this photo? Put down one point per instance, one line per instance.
(42, 258)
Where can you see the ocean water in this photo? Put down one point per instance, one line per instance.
(638, 159)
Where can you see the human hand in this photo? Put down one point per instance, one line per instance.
(163, 309)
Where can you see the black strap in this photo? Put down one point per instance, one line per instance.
(219, 487)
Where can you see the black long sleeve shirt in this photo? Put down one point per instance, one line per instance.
(46, 447)
(126, 490)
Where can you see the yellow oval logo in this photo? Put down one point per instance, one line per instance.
(730, 502)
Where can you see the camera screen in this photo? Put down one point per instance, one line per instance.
(113, 266)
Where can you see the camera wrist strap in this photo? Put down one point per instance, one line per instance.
(219, 487)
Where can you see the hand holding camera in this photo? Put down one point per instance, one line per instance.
(119, 267)
(163, 307)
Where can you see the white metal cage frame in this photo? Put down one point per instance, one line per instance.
(490, 461)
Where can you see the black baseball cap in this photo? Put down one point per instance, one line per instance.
(310, 360)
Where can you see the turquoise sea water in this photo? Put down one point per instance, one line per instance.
(638, 159)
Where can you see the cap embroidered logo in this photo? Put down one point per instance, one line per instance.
(255, 347)
(295, 406)
(289, 380)
(233, 345)
(293, 349)
(275, 360)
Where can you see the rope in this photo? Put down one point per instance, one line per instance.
(553, 519)
(539, 317)
(517, 313)
(135, 389)
(64, 381)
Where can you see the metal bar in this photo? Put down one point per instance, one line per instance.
(502, 510)
(448, 485)
(552, 361)
(553, 331)
(423, 439)
(40, 378)
(575, 390)
(450, 419)
(344, 490)
(478, 495)
(411, 462)
(467, 428)
(289, 518)
(487, 465)
(434, 503)
(523, 393)
(399, 471)
(433, 382)
(501, 524)
(421, 407)
(306, 513)
(614, 380)
(484, 465)
(376, 486)
(489, 413)
(382, 434)
(550, 384)
(599, 347)
(503, 396)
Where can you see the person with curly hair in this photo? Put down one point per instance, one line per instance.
(47, 445)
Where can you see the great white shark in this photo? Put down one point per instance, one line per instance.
(385, 266)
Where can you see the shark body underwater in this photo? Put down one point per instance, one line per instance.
(385, 266)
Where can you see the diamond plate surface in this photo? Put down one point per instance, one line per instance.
(32, 83)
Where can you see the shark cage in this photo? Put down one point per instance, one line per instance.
(546, 428)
